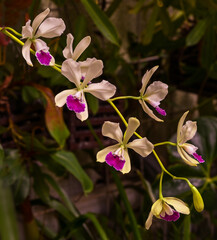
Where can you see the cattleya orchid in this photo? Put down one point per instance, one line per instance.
(49, 28)
(162, 209)
(117, 155)
(79, 49)
(185, 133)
(75, 98)
(154, 93)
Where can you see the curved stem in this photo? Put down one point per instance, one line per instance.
(164, 143)
(125, 97)
(12, 30)
(160, 185)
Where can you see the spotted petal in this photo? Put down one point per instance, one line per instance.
(149, 111)
(103, 90)
(112, 130)
(142, 146)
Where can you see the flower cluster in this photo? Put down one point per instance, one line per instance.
(82, 74)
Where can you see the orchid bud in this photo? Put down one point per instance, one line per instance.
(197, 199)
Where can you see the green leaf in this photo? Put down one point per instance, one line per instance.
(196, 33)
(54, 117)
(30, 93)
(69, 161)
(8, 223)
(113, 7)
(101, 20)
(2, 155)
(165, 21)
(149, 30)
(93, 103)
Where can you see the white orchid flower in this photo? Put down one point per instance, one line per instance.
(185, 133)
(75, 98)
(79, 49)
(49, 28)
(117, 155)
(154, 93)
(162, 209)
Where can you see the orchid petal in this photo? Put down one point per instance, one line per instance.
(100, 157)
(68, 51)
(149, 111)
(168, 210)
(86, 64)
(148, 222)
(189, 148)
(83, 115)
(155, 93)
(27, 30)
(51, 27)
(187, 131)
(82, 45)
(180, 124)
(71, 70)
(60, 98)
(40, 45)
(112, 130)
(39, 19)
(92, 72)
(127, 165)
(142, 146)
(186, 158)
(178, 204)
(26, 52)
(133, 124)
(157, 207)
(103, 90)
(146, 78)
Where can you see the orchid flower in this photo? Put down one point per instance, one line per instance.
(162, 209)
(49, 28)
(185, 133)
(75, 98)
(79, 49)
(155, 93)
(117, 155)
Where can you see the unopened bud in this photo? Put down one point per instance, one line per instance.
(197, 199)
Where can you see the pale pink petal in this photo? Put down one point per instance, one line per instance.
(82, 45)
(186, 158)
(40, 45)
(71, 70)
(127, 165)
(39, 19)
(92, 72)
(27, 30)
(60, 98)
(83, 115)
(26, 52)
(86, 64)
(187, 131)
(100, 157)
(112, 130)
(146, 78)
(189, 148)
(168, 210)
(149, 111)
(133, 124)
(51, 27)
(180, 124)
(155, 93)
(68, 51)
(142, 146)
(103, 90)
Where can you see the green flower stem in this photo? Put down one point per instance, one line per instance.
(164, 143)
(160, 185)
(127, 205)
(12, 30)
(3, 30)
(125, 97)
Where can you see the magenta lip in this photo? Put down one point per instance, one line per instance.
(115, 161)
(44, 58)
(74, 104)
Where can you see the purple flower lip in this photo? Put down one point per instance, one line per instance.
(74, 104)
(161, 111)
(174, 217)
(198, 157)
(44, 58)
(115, 161)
